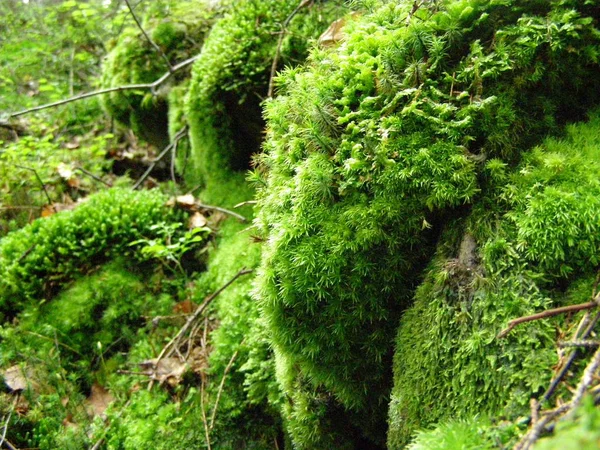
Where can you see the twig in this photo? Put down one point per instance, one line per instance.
(586, 380)
(5, 430)
(174, 342)
(283, 32)
(26, 252)
(180, 134)
(203, 409)
(549, 313)
(567, 365)
(152, 86)
(39, 179)
(580, 343)
(248, 202)
(223, 210)
(94, 177)
(173, 157)
(221, 385)
(150, 41)
(9, 445)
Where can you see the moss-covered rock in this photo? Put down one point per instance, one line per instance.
(530, 245)
(371, 150)
(231, 77)
(178, 29)
(37, 259)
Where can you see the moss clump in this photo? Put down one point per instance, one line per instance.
(529, 253)
(178, 29)
(78, 339)
(37, 259)
(370, 149)
(230, 79)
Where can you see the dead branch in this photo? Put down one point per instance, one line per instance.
(203, 409)
(173, 344)
(579, 343)
(150, 41)
(568, 408)
(92, 176)
(282, 34)
(37, 175)
(549, 313)
(247, 202)
(129, 87)
(180, 134)
(223, 210)
(221, 385)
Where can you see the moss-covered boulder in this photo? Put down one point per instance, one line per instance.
(372, 150)
(230, 80)
(531, 244)
(178, 29)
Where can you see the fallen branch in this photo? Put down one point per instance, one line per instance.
(223, 210)
(92, 176)
(580, 343)
(129, 87)
(150, 41)
(283, 32)
(180, 134)
(173, 344)
(549, 313)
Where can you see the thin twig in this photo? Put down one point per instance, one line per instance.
(203, 409)
(39, 179)
(6, 423)
(180, 134)
(544, 314)
(152, 86)
(220, 391)
(174, 342)
(9, 445)
(150, 41)
(223, 210)
(579, 343)
(173, 157)
(283, 32)
(247, 202)
(94, 177)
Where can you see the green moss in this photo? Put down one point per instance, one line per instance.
(378, 140)
(37, 259)
(231, 77)
(178, 28)
(449, 362)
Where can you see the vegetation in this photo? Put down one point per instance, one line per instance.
(355, 225)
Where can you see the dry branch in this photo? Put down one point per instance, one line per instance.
(180, 134)
(282, 33)
(150, 41)
(544, 314)
(129, 87)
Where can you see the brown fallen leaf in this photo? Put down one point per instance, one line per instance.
(169, 370)
(98, 401)
(184, 307)
(17, 378)
(198, 220)
(335, 32)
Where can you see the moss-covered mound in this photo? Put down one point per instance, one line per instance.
(532, 244)
(372, 150)
(37, 259)
(178, 29)
(231, 78)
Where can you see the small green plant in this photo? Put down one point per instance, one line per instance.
(167, 246)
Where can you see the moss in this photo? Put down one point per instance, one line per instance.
(179, 29)
(373, 146)
(449, 362)
(230, 79)
(36, 260)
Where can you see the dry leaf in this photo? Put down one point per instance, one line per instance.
(47, 210)
(186, 201)
(65, 171)
(98, 401)
(197, 221)
(335, 32)
(170, 370)
(17, 378)
(184, 307)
